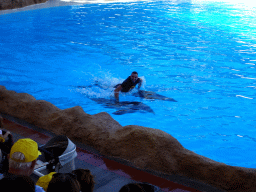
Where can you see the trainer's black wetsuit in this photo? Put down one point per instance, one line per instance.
(128, 84)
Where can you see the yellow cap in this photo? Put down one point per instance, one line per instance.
(45, 180)
(2, 140)
(26, 146)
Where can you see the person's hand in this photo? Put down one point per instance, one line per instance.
(116, 92)
(116, 100)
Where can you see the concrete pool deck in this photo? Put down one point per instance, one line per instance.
(57, 3)
(110, 173)
(48, 4)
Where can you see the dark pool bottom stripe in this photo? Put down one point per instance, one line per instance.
(101, 162)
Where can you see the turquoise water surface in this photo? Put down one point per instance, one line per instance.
(202, 54)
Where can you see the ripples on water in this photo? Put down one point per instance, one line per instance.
(201, 54)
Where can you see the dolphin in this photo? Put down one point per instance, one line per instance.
(141, 93)
(152, 95)
(124, 106)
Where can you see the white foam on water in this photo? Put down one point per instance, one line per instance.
(244, 97)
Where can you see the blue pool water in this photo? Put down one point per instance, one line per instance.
(202, 54)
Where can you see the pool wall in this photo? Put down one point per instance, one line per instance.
(7, 4)
(146, 148)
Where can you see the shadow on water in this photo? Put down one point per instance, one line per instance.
(124, 106)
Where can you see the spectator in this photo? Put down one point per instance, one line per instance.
(14, 183)
(64, 182)
(1, 122)
(6, 139)
(132, 187)
(22, 159)
(139, 187)
(23, 156)
(45, 180)
(6, 142)
(85, 178)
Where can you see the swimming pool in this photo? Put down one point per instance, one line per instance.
(202, 54)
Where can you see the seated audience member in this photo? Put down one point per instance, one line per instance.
(6, 139)
(6, 142)
(45, 180)
(64, 182)
(22, 159)
(132, 187)
(85, 178)
(1, 122)
(14, 183)
(139, 187)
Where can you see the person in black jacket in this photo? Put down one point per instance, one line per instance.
(128, 84)
(6, 143)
